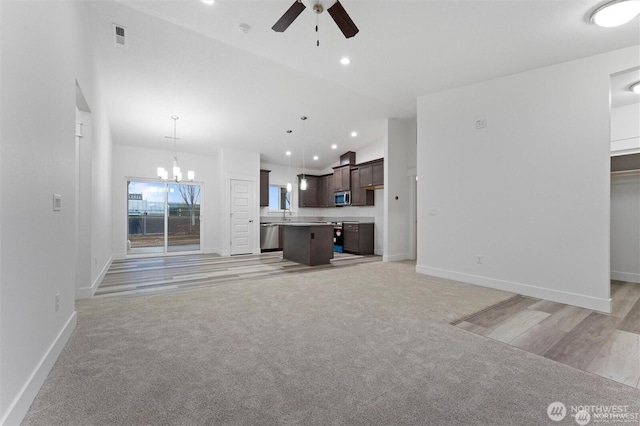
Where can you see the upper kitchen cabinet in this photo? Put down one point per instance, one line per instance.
(310, 197)
(360, 196)
(372, 174)
(264, 187)
(342, 178)
(326, 193)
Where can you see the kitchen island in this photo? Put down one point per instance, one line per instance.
(308, 243)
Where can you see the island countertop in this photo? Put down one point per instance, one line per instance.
(305, 224)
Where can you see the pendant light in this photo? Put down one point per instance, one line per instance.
(289, 185)
(176, 175)
(303, 181)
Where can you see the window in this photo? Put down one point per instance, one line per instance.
(279, 199)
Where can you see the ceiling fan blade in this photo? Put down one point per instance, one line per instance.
(289, 16)
(343, 20)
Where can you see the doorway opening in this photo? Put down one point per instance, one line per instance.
(163, 217)
(624, 226)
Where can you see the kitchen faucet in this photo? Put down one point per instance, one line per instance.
(284, 215)
(284, 210)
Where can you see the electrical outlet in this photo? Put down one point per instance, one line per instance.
(479, 259)
(57, 302)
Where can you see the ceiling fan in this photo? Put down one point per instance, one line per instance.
(337, 12)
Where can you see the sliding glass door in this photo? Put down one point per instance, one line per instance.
(162, 217)
(183, 214)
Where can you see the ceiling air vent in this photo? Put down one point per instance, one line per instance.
(118, 34)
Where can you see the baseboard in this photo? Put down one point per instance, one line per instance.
(212, 251)
(588, 302)
(88, 292)
(395, 257)
(22, 402)
(629, 277)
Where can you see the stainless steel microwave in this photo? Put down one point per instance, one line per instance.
(342, 198)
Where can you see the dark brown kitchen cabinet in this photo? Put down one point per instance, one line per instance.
(310, 196)
(342, 178)
(264, 188)
(360, 196)
(326, 194)
(372, 174)
(358, 237)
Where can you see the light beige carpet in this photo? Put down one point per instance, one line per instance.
(364, 345)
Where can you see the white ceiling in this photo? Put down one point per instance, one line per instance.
(239, 90)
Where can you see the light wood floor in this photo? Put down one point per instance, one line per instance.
(171, 273)
(604, 344)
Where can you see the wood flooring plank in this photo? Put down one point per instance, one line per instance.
(516, 325)
(566, 318)
(623, 300)
(619, 358)
(581, 345)
(474, 328)
(631, 322)
(538, 339)
(547, 306)
(496, 315)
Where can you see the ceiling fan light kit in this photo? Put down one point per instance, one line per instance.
(337, 12)
(615, 13)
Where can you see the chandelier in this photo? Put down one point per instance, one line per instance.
(176, 176)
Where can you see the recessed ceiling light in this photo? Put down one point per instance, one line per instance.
(616, 13)
(315, 157)
(209, 2)
(345, 61)
(354, 134)
(635, 87)
(288, 153)
(334, 146)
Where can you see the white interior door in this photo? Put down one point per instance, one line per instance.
(241, 217)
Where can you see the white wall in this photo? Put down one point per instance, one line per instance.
(400, 148)
(37, 159)
(625, 228)
(530, 192)
(625, 129)
(371, 152)
(95, 163)
(134, 163)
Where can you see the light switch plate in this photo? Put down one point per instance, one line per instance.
(57, 202)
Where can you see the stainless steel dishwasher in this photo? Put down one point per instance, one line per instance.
(269, 236)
